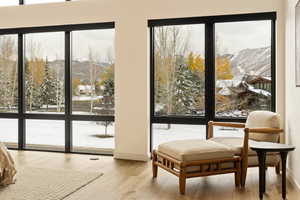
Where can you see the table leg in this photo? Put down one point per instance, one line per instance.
(283, 161)
(262, 173)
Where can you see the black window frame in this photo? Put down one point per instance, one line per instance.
(209, 22)
(67, 116)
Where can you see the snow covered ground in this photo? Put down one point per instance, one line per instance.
(86, 134)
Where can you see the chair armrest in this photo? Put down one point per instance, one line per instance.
(266, 130)
(224, 124)
(227, 124)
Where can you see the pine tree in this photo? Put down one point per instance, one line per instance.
(29, 89)
(48, 88)
(59, 94)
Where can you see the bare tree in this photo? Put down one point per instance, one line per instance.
(92, 77)
(170, 45)
(33, 50)
(8, 71)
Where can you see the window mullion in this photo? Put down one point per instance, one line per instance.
(21, 93)
(273, 65)
(68, 100)
(209, 71)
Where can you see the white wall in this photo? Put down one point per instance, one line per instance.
(292, 94)
(132, 49)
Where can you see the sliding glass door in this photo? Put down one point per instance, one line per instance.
(209, 68)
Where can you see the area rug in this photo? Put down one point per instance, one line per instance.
(46, 184)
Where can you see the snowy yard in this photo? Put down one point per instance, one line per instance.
(87, 134)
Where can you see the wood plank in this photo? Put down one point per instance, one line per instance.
(126, 180)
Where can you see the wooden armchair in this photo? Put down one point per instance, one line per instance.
(260, 126)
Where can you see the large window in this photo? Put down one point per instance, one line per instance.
(243, 67)
(210, 68)
(93, 72)
(57, 88)
(8, 73)
(44, 72)
(179, 70)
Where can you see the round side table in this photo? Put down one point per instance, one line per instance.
(262, 148)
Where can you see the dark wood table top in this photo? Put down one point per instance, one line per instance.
(270, 147)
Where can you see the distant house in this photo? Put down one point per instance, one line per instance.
(85, 89)
(252, 91)
(255, 93)
(260, 82)
(225, 87)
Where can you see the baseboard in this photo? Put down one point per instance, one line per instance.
(292, 179)
(131, 156)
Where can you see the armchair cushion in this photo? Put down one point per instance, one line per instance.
(196, 149)
(263, 119)
(235, 143)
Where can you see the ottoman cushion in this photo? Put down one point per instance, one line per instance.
(195, 149)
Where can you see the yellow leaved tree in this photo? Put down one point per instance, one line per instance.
(223, 68)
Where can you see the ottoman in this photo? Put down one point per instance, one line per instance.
(196, 158)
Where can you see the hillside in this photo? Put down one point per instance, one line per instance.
(252, 61)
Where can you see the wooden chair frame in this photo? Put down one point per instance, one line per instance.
(244, 152)
(206, 168)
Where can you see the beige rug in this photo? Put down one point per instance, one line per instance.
(46, 184)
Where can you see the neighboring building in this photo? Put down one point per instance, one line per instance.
(85, 89)
(260, 82)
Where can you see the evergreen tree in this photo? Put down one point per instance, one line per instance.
(48, 88)
(109, 88)
(108, 93)
(188, 89)
(59, 94)
(29, 89)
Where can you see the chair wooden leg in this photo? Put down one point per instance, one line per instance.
(244, 174)
(154, 166)
(237, 175)
(277, 168)
(182, 181)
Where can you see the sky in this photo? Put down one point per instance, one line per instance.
(51, 45)
(231, 37)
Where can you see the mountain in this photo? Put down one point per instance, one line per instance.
(255, 61)
(80, 69)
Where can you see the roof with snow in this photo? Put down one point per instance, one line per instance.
(227, 83)
(225, 91)
(86, 87)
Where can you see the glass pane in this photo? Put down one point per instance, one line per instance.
(9, 131)
(9, 2)
(45, 134)
(44, 72)
(92, 135)
(179, 70)
(243, 68)
(42, 1)
(93, 72)
(169, 132)
(8, 73)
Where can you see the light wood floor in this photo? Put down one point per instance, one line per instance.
(130, 180)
